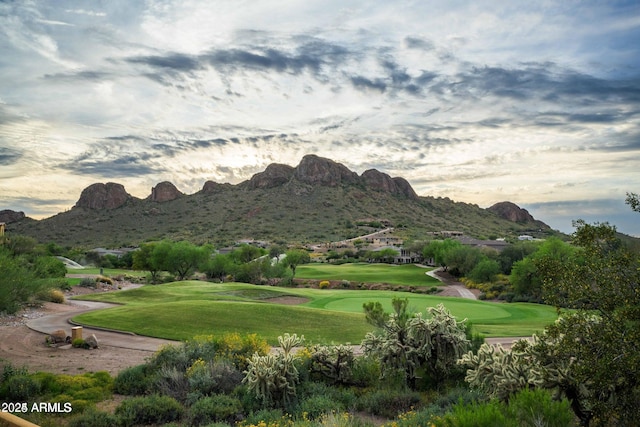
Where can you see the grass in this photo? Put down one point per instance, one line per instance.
(182, 310)
(408, 275)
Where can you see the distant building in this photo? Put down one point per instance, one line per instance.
(525, 237)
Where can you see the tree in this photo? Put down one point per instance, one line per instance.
(18, 283)
(295, 257)
(183, 258)
(633, 200)
(217, 267)
(437, 249)
(412, 346)
(598, 345)
(144, 260)
(485, 271)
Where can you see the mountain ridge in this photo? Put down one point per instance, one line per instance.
(319, 200)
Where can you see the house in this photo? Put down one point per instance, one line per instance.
(525, 237)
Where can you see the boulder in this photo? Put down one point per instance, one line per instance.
(316, 170)
(274, 175)
(8, 216)
(511, 212)
(58, 337)
(91, 341)
(164, 192)
(103, 196)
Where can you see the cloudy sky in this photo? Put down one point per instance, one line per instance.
(537, 102)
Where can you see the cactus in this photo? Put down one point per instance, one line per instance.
(273, 378)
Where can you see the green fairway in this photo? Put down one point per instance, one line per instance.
(408, 275)
(182, 310)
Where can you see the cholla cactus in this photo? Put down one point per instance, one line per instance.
(334, 362)
(273, 377)
(500, 372)
(411, 343)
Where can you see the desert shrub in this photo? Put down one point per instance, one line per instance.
(62, 284)
(366, 372)
(488, 414)
(213, 377)
(133, 380)
(19, 388)
(172, 382)
(333, 363)
(87, 283)
(79, 343)
(389, 403)
(153, 409)
(324, 284)
(54, 295)
(263, 416)
(9, 371)
(93, 418)
(104, 279)
(317, 405)
(536, 407)
(219, 407)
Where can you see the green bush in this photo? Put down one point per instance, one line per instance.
(318, 405)
(219, 407)
(88, 283)
(536, 407)
(213, 377)
(323, 284)
(79, 343)
(366, 372)
(267, 416)
(152, 409)
(389, 403)
(19, 388)
(93, 418)
(134, 380)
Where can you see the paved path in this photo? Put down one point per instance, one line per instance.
(48, 324)
(461, 289)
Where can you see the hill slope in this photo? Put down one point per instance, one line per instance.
(317, 201)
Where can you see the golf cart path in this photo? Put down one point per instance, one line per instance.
(52, 322)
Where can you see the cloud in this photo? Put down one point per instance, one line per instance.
(9, 156)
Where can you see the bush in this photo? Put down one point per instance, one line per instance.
(55, 296)
(535, 407)
(152, 409)
(219, 407)
(212, 377)
(133, 380)
(389, 403)
(93, 418)
(20, 388)
(318, 405)
(79, 343)
(104, 279)
(88, 283)
(323, 284)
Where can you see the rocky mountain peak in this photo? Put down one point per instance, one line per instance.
(8, 216)
(512, 212)
(318, 170)
(214, 187)
(103, 196)
(274, 175)
(164, 192)
(380, 181)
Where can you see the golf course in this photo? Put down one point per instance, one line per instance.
(182, 310)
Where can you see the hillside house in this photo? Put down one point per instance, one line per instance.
(404, 256)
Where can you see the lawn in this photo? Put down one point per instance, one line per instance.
(182, 310)
(409, 275)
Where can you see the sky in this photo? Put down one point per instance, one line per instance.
(537, 103)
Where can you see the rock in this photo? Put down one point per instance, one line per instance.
(380, 181)
(511, 212)
(274, 175)
(164, 192)
(103, 196)
(91, 341)
(211, 187)
(58, 337)
(405, 188)
(316, 170)
(8, 216)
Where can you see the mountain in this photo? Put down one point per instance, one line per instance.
(317, 201)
